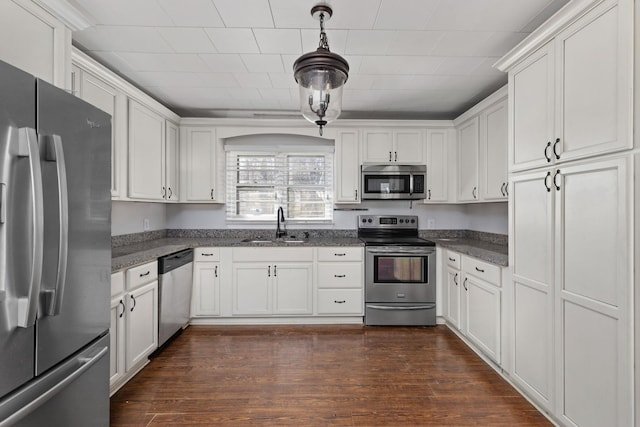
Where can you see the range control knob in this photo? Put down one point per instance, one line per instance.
(369, 220)
(412, 221)
(364, 220)
(401, 221)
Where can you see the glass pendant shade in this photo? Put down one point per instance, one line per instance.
(321, 76)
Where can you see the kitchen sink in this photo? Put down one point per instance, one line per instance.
(256, 241)
(293, 241)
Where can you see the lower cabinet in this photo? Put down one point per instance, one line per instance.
(134, 321)
(340, 280)
(474, 301)
(205, 298)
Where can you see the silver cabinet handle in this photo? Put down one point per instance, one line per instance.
(28, 147)
(555, 153)
(340, 276)
(55, 153)
(545, 151)
(415, 307)
(545, 182)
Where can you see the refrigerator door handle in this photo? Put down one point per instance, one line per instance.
(28, 306)
(33, 398)
(55, 153)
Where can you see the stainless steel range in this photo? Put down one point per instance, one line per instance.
(400, 271)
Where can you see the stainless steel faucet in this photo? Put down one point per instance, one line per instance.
(280, 229)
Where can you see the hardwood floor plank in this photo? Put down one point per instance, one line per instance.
(338, 375)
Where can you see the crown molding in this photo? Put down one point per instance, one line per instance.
(73, 18)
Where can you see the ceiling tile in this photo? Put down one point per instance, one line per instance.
(254, 80)
(462, 43)
(393, 82)
(123, 39)
(276, 94)
(399, 65)
(125, 12)
(459, 65)
(360, 81)
(353, 14)
(217, 79)
(233, 40)
(164, 62)
(263, 63)
(283, 80)
(187, 40)
(456, 15)
(293, 13)
(191, 13)
(278, 41)
(224, 62)
(337, 40)
(404, 14)
(413, 42)
(508, 15)
(244, 93)
(368, 42)
(245, 13)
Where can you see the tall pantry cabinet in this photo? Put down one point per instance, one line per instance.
(571, 213)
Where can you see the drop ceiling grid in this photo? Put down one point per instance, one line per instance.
(425, 57)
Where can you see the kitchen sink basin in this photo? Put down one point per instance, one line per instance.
(256, 241)
(293, 241)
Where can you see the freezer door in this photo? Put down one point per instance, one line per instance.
(20, 254)
(73, 394)
(75, 150)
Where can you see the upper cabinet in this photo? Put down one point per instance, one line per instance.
(437, 165)
(571, 98)
(171, 190)
(399, 146)
(468, 139)
(35, 41)
(146, 153)
(199, 165)
(347, 166)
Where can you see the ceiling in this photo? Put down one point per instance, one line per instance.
(409, 59)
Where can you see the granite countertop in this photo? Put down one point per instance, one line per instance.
(139, 253)
(490, 252)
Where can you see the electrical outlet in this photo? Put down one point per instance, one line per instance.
(431, 224)
(145, 224)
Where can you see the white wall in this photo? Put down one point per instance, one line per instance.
(488, 217)
(128, 217)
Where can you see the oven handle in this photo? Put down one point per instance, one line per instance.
(412, 307)
(385, 250)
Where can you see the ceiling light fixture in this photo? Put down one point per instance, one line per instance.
(321, 76)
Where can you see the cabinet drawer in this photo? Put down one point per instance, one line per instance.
(340, 301)
(452, 258)
(267, 254)
(206, 254)
(117, 283)
(340, 253)
(482, 270)
(340, 275)
(142, 274)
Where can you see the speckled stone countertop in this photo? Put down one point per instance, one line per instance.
(139, 253)
(485, 251)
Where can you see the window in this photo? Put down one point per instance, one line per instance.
(258, 183)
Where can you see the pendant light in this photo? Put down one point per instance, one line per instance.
(321, 76)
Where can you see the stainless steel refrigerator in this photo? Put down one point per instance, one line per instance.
(55, 255)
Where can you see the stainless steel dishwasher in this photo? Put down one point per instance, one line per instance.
(175, 278)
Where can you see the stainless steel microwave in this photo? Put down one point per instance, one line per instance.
(394, 182)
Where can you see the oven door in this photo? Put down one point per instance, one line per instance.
(402, 274)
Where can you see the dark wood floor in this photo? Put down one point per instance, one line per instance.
(319, 376)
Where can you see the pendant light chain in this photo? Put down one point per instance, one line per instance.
(324, 42)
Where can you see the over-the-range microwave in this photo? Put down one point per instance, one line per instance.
(394, 182)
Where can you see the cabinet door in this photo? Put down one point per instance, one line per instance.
(200, 165)
(594, 289)
(437, 162)
(348, 167)
(493, 143)
(468, 161)
(206, 289)
(293, 286)
(146, 153)
(116, 332)
(142, 323)
(408, 147)
(110, 100)
(172, 152)
(594, 80)
(482, 316)
(453, 296)
(531, 257)
(531, 101)
(377, 146)
(251, 288)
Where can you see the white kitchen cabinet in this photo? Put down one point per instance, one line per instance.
(437, 165)
(570, 99)
(394, 146)
(147, 160)
(340, 281)
(468, 140)
(493, 152)
(452, 288)
(113, 101)
(272, 281)
(347, 166)
(117, 368)
(35, 41)
(199, 165)
(170, 189)
(141, 328)
(206, 289)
